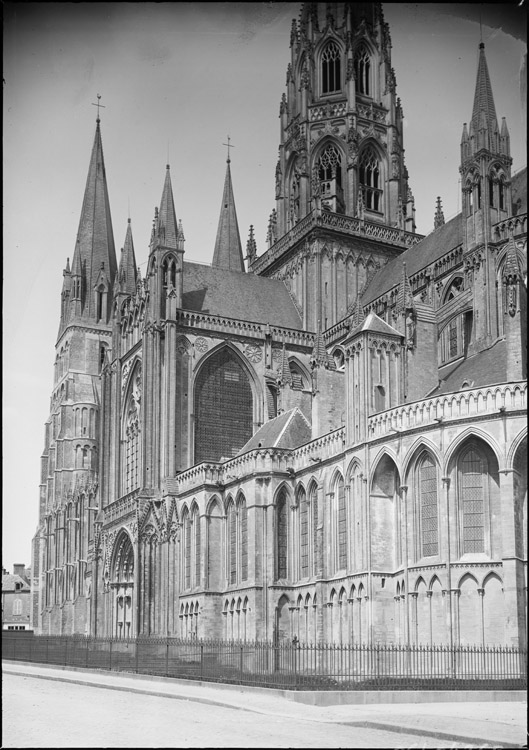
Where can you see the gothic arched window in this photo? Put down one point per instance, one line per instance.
(131, 437)
(472, 489)
(331, 69)
(223, 407)
(362, 67)
(428, 506)
(243, 534)
(303, 533)
(330, 167)
(370, 180)
(313, 498)
(341, 525)
(232, 543)
(282, 536)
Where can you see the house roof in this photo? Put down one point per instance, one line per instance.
(484, 368)
(10, 580)
(241, 296)
(289, 430)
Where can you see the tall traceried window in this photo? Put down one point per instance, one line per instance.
(330, 166)
(186, 523)
(243, 524)
(282, 536)
(362, 68)
(331, 69)
(313, 498)
(132, 435)
(472, 494)
(303, 533)
(370, 180)
(428, 506)
(196, 545)
(232, 543)
(341, 526)
(223, 407)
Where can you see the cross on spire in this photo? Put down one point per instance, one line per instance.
(98, 105)
(229, 146)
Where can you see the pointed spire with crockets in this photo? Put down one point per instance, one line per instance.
(284, 376)
(439, 218)
(357, 315)
(320, 357)
(404, 296)
(228, 249)
(127, 274)
(95, 239)
(166, 225)
(484, 111)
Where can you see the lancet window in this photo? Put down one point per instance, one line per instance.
(428, 506)
(362, 67)
(331, 68)
(370, 180)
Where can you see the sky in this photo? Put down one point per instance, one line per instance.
(175, 80)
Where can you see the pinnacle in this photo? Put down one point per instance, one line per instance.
(167, 228)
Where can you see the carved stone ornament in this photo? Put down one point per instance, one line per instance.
(276, 355)
(201, 345)
(253, 353)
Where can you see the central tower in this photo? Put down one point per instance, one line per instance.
(341, 122)
(343, 203)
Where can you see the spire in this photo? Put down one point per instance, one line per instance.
(284, 376)
(95, 239)
(320, 357)
(439, 218)
(228, 250)
(483, 99)
(404, 296)
(357, 314)
(127, 275)
(251, 247)
(166, 225)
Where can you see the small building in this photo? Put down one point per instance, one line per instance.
(16, 598)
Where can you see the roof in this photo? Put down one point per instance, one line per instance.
(484, 368)
(288, 430)
(377, 325)
(241, 296)
(427, 251)
(9, 581)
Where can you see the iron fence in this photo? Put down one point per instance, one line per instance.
(298, 666)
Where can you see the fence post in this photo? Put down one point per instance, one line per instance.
(137, 654)
(201, 661)
(14, 647)
(167, 657)
(240, 662)
(110, 655)
(47, 644)
(86, 660)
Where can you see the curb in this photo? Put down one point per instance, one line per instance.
(364, 724)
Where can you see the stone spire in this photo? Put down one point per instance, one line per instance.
(166, 226)
(404, 296)
(251, 247)
(439, 218)
(284, 376)
(228, 249)
(320, 357)
(95, 239)
(484, 111)
(127, 273)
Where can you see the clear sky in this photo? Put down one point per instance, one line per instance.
(176, 79)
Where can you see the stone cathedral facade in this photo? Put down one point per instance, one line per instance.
(328, 442)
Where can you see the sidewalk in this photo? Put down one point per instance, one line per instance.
(487, 719)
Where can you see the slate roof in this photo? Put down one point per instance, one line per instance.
(240, 296)
(425, 252)
(484, 368)
(9, 581)
(288, 430)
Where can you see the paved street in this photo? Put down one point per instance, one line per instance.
(58, 712)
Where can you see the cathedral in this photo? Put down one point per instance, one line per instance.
(326, 441)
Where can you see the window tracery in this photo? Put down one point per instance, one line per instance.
(370, 180)
(331, 68)
(362, 68)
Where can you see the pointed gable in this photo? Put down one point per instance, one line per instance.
(228, 249)
(374, 324)
(95, 239)
(167, 226)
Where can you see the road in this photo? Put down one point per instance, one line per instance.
(40, 713)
